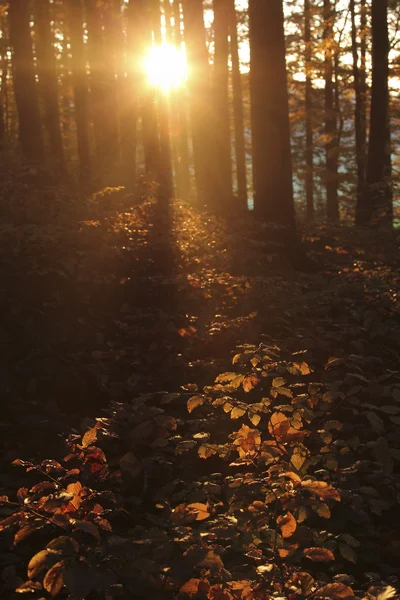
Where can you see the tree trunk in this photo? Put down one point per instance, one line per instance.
(79, 81)
(180, 128)
(331, 142)
(48, 82)
(379, 207)
(222, 133)
(25, 89)
(240, 149)
(166, 184)
(140, 38)
(102, 85)
(308, 113)
(199, 98)
(359, 118)
(272, 165)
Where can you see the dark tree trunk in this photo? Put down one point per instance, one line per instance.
(331, 141)
(240, 148)
(222, 134)
(3, 83)
(378, 206)
(166, 184)
(25, 88)
(308, 113)
(140, 37)
(181, 119)
(359, 117)
(199, 98)
(48, 82)
(272, 165)
(80, 85)
(102, 84)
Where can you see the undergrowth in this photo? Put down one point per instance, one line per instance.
(273, 473)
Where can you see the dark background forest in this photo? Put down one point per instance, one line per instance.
(200, 331)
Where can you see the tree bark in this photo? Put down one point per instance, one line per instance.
(25, 88)
(379, 207)
(222, 134)
(272, 164)
(199, 99)
(102, 85)
(308, 113)
(359, 117)
(240, 149)
(80, 85)
(179, 125)
(48, 82)
(166, 183)
(331, 140)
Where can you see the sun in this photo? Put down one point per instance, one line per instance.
(165, 66)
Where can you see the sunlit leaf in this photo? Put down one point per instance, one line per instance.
(200, 509)
(254, 418)
(321, 489)
(225, 377)
(40, 561)
(278, 382)
(195, 401)
(205, 451)
(237, 413)
(335, 590)
(287, 523)
(250, 382)
(190, 587)
(53, 581)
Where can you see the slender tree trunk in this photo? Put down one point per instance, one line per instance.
(140, 36)
(200, 99)
(272, 164)
(181, 123)
(2, 94)
(25, 88)
(240, 149)
(222, 133)
(48, 82)
(331, 143)
(308, 113)
(165, 174)
(102, 86)
(359, 117)
(80, 85)
(379, 206)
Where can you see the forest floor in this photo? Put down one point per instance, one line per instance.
(185, 415)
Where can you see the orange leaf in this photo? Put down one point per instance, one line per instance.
(335, 590)
(321, 489)
(90, 437)
(200, 510)
(190, 587)
(250, 382)
(287, 523)
(53, 580)
(319, 554)
(194, 401)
